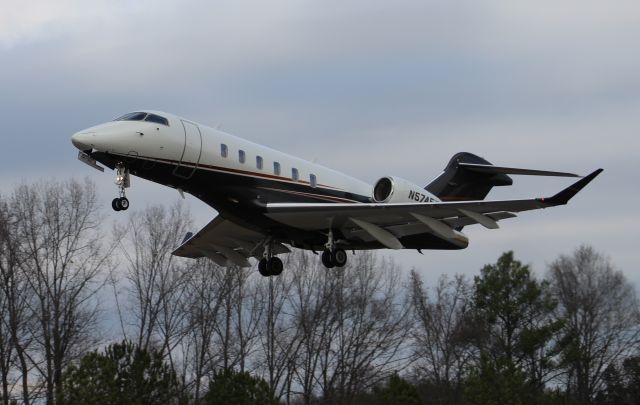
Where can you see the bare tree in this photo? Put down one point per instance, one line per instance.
(312, 309)
(6, 349)
(279, 334)
(62, 260)
(157, 279)
(202, 305)
(250, 308)
(8, 266)
(223, 309)
(201, 316)
(602, 316)
(441, 326)
(372, 326)
(17, 321)
(353, 323)
(236, 330)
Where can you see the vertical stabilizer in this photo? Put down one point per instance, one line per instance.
(458, 182)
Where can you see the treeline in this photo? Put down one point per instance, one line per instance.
(91, 313)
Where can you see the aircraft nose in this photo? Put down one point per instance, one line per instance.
(82, 140)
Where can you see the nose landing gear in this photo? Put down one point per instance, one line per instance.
(122, 181)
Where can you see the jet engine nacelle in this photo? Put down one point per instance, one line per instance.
(393, 189)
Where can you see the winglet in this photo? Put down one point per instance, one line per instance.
(565, 195)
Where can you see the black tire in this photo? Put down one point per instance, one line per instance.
(262, 268)
(124, 203)
(115, 204)
(275, 266)
(326, 259)
(339, 258)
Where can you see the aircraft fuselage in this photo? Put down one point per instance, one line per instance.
(233, 175)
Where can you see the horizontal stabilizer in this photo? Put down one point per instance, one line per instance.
(490, 169)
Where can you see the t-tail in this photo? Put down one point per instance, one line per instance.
(470, 177)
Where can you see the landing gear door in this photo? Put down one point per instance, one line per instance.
(192, 151)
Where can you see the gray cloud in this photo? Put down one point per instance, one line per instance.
(371, 88)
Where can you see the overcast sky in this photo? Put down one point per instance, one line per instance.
(370, 88)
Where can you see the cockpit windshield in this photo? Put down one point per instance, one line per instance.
(142, 116)
(134, 116)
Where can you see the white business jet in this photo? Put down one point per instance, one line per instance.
(267, 199)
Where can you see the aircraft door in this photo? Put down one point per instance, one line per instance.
(191, 152)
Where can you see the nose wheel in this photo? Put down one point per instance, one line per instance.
(123, 181)
(120, 204)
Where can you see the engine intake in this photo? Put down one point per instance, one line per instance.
(393, 189)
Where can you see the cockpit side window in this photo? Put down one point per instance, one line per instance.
(134, 116)
(157, 119)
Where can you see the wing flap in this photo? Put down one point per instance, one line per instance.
(224, 242)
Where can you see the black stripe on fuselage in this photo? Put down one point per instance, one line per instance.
(233, 193)
(241, 197)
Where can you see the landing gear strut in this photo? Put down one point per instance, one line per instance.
(270, 265)
(122, 181)
(333, 256)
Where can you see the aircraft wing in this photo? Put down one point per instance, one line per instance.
(226, 243)
(379, 220)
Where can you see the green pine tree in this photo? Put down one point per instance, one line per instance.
(514, 311)
(398, 391)
(122, 374)
(230, 387)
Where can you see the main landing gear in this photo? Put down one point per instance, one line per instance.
(333, 256)
(122, 181)
(336, 258)
(270, 265)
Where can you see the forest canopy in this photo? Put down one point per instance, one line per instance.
(89, 310)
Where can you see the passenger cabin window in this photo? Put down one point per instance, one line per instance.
(259, 162)
(241, 156)
(313, 181)
(294, 174)
(224, 151)
(276, 168)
